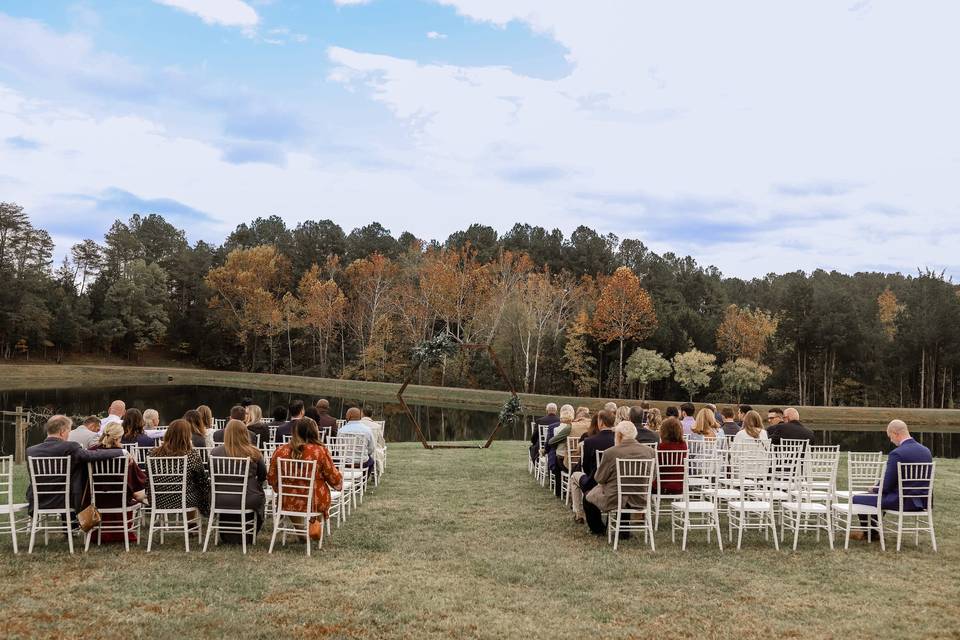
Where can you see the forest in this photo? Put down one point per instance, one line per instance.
(588, 314)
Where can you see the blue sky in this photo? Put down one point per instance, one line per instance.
(754, 136)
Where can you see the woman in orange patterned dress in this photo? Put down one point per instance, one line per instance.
(305, 445)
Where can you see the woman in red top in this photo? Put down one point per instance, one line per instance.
(671, 439)
(305, 445)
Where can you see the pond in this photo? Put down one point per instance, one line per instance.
(438, 424)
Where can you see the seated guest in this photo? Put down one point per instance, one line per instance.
(198, 433)
(581, 422)
(594, 427)
(716, 413)
(114, 413)
(582, 481)
(206, 419)
(644, 435)
(151, 419)
(644, 407)
(355, 425)
(557, 445)
(178, 441)
(705, 426)
(602, 498)
(235, 411)
(133, 426)
(774, 417)
(791, 429)
(278, 416)
(58, 444)
(87, 433)
(907, 451)
(256, 425)
(237, 444)
(324, 419)
(623, 414)
(305, 445)
(110, 440)
(730, 428)
(671, 439)
(742, 411)
(246, 402)
(654, 420)
(379, 441)
(286, 429)
(753, 430)
(687, 419)
(547, 419)
(672, 412)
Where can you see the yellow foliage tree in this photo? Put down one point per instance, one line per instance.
(745, 333)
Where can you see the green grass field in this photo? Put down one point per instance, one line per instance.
(462, 544)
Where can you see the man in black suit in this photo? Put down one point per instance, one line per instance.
(286, 429)
(792, 429)
(57, 445)
(729, 427)
(551, 418)
(582, 481)
(638, 416)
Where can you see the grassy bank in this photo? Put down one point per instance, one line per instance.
(42, 376)
(461, 543)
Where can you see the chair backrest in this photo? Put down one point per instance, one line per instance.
(821, 463)
(141, 454)
(6, 480)
(915, 483)
(204, 453)
(325, 434)
(864, 470)
(701, 457)
(219, 423)
(573, 452)
(108, 478)
(340, 423)
(753, 469)
(256, 440)
(272, 429)
(356, 447)
(599, 453)
(168, 479)
(798, 444)
(228, 477)
(671, 467)
(634, 478)
(543, 435)
(50, 477)
(287, 439)
(295, 479)
(130, 448)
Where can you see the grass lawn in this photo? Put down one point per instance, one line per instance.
(461, 543)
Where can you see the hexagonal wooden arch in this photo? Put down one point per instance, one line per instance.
(503, 374)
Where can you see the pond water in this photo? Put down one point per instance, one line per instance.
(438, 424)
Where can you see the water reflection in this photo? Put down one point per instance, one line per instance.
(438, 424)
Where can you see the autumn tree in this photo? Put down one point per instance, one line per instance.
(624, 312)
(745, 333)
(578, 360)
(693, 369)
(322, 304)
(888, 310)
(370, 286)
(536, 305)
(247, 291)
(743, 375)
(645, 366)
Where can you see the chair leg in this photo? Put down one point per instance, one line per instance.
(899, 530)
(883, 544)
(933, 537)
(773, 530)
(716, 521)
(153, 517)
(276, 526)
(686, 527)
(206, 539)
(69, 534)
(846, 541)
(186, 531)
(649, 525)
(243, 532)
(33, 531)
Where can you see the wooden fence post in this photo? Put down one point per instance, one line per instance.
(21, 424)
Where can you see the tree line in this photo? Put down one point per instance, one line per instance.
(588, 314)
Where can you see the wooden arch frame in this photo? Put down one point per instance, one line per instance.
(474, 346)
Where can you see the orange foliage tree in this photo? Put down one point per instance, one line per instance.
(624, 312)
(321, 306)
(745, 333)
(370, 283)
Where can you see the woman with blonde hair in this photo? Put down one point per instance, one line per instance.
(752, 430)
(705, 426)
(151, 419)
(581, 422)
(206, 425)
(236, 444)
(557, 444)
(256, 424)
(623, 414)
(654, 420)
(111, 438)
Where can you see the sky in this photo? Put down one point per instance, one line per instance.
(755, 136)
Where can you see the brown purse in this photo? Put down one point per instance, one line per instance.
(315, 530)
(88, 518)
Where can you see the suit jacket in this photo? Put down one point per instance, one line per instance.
(79, 457)
(790, 431)
(327, 420)
(730, 428)
(588, 460)
(549, 419)
(909, 451)
(604, 495)
(646, 436)
(286, 429)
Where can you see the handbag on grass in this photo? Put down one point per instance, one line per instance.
(316, 528)
(89, 517)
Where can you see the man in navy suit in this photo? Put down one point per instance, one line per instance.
(907, 450)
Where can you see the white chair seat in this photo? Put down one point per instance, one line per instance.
(750, 505)
(723, 494)
(856, 509)
(351, 473)
(13, 508)
(776, 496)
(906, 513)
(696, 506)
(843, 494)
(696, 482)
(813, 495)
(808, 507)
(334, 495)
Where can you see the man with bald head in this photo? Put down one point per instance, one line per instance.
(906, 450)
(791, 429)
(114, 413)
(354, 425)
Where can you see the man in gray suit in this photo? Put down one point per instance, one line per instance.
(58, 444)
(604, 496)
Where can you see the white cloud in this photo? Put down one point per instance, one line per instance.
(348, 3)
(436, 35)
(229, 13)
